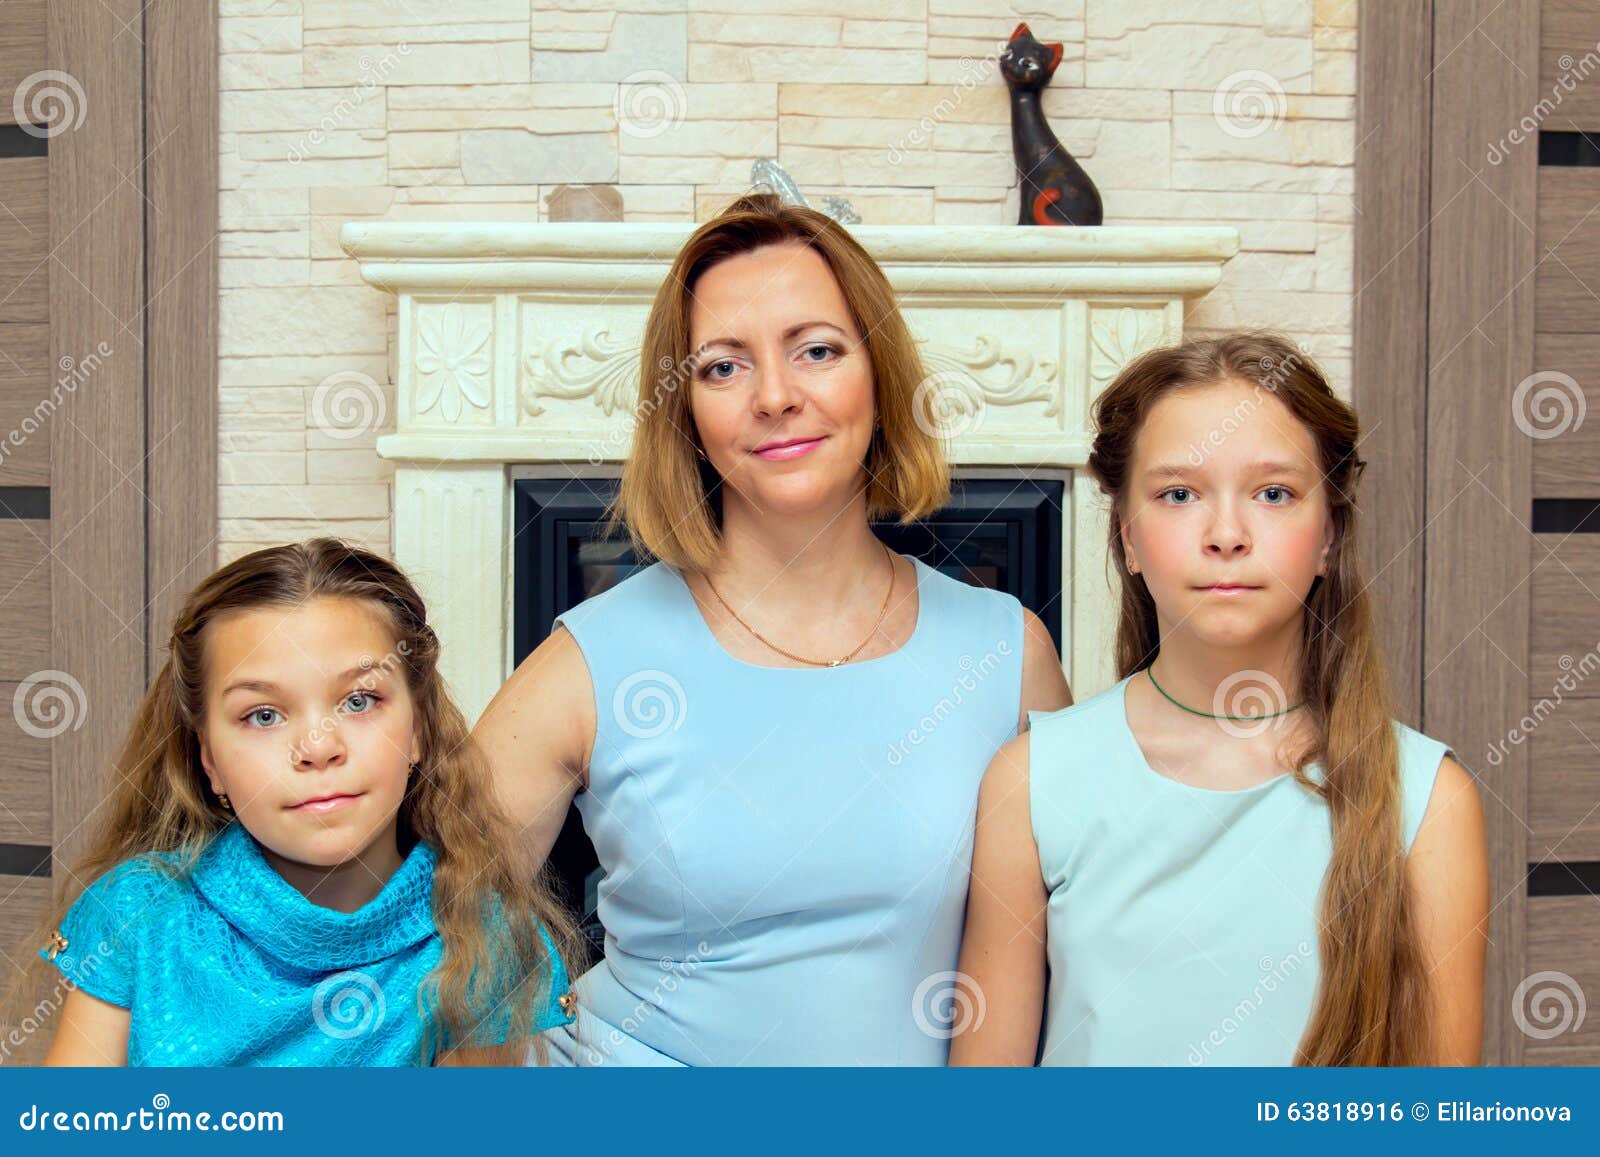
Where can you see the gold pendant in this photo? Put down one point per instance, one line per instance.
(58, 944)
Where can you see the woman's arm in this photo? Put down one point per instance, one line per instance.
(538, 734)
(1044, 684)
(1448, 872)
(92, 1032)
(1003, 950)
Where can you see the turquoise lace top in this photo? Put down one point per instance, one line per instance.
(232, 965)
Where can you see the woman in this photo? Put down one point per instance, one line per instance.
(775, 732)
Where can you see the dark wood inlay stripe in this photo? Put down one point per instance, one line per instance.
(24, 860)
(25, 502)
(1569, 149)
(1566, 516)
(16, 141)
(1578, 878)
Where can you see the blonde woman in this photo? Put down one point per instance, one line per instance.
(775, 731)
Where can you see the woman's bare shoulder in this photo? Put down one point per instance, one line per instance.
(547, 705)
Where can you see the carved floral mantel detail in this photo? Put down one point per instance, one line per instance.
(452, 360)
(520, 344)
(606, 370)
(1118, 336)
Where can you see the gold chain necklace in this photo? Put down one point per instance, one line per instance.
(883, 610)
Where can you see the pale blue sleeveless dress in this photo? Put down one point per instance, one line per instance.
(785, 851)
(1182, 920)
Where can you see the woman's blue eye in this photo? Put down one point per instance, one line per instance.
(713, 366)
(824, 348)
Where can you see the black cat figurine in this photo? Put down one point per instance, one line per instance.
(1055, 189)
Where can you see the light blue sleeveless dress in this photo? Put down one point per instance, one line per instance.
(1182, 920)
(785, 850)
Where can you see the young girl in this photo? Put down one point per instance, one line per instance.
(1235, 855)
(301, 861)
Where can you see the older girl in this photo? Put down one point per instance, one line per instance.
(1235, 855)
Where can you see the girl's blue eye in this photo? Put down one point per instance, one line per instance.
(261, 711)
(1175, 490)
(367, 697)
(1276, 490)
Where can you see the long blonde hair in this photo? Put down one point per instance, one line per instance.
(669, 498)
(1372, 1005)
(159, 801)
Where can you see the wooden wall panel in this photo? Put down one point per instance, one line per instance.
(24, 597)
(1568, 277)
(1480, 339)
(1563, 938)
(97, 232)
(24, 240)
(25, 383)
(1564, 788)
(1569, 64)
(1393, 115)
(22, 37)
(181, 313)
(1568, 465)
(1566, 618)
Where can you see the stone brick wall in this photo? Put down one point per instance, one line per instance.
(1236, 112)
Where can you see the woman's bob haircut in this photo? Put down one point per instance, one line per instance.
(670, 498)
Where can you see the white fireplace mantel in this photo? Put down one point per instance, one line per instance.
(519, 344)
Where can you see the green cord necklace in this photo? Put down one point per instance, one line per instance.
(1151, 671)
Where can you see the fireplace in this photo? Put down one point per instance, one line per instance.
(1002, 529)
(517, 359)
